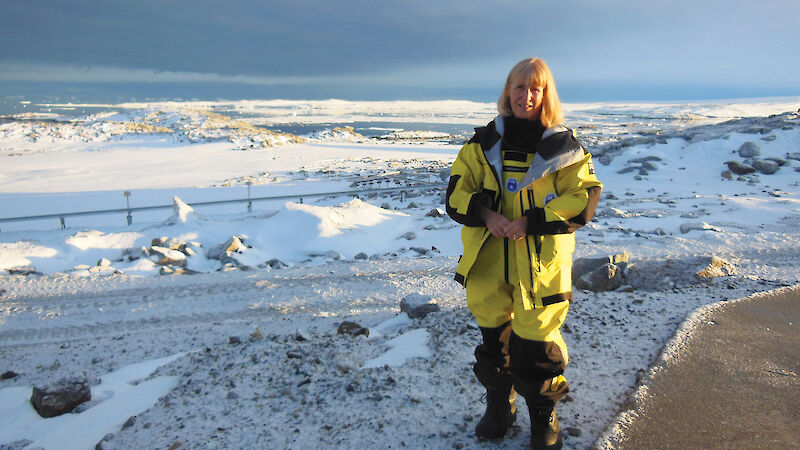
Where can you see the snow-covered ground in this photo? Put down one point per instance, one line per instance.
(241, 350)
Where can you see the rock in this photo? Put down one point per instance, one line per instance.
(234, 340)
(727, 174)
(175, 445)
(233, 244)
(649, 166)
(715, 267)
(336, 256)
(159, 241)
(739, 168)
(627, 169)
(129, 423)
(23, 270)
(60, 397)
(351, 328)
(277, 264)
(103, 262)
(421, 250)
(385, 205)
(7, 375)
(361, 255)
(794, 156)
(167, 257)
(103, 444)
(436, 212)
(256, 335)
(689, 226)
(418, 305)
(645, 159)
(573, 431)
(779, 161)
(604, 278)
(766, 167)
(301, 335)
(749, 150)
(345, 361)
(582, 266)
(412, 205)
(410, 236)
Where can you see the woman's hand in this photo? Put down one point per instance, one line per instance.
(501, 227)
(517, 229)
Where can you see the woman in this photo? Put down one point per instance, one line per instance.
(521, 186)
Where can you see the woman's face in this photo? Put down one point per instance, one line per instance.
(526, 100)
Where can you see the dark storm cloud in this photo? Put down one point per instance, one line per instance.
(682, 42)
(306, 37)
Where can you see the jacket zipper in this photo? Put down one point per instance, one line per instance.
(528, 245)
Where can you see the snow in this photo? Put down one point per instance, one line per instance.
(160, 347)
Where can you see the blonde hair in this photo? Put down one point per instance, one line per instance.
(535, 72)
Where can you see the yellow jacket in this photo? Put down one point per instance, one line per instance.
(558, 194)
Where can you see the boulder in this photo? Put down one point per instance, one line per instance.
(436, 212)
(167, 257)
(233, 244)
(689, 226)
(61, 397)
(739, 168)
(714, 266)
(749, 150)
(794, 156)
(583, 266)
(418, 305)
(604, 278)
(276, 264)
(766, 167)
(352, 329)
(410, 236)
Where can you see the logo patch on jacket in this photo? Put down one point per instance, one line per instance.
(549, 197)
(512, 185)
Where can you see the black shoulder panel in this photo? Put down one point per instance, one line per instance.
(557, 144)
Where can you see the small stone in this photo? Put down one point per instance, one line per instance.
(437, 212)
(234, 340)
(301, 335)
(7, 375)
(232, 395)
(129, 423)
(104, 262)
(574, 432)
(257, 334)
(361, 255)
(727, 174)
(175, 445)
(794, 156)
(410, 236)
(351, 328)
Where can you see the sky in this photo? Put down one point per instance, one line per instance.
(679, 49)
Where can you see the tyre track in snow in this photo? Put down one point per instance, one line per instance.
(62, 309)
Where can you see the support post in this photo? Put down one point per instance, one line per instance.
(127, 195)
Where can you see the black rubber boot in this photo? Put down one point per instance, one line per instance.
(491, 368)
(545, 430)
(501, 412)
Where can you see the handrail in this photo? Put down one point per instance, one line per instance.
(249, 200)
